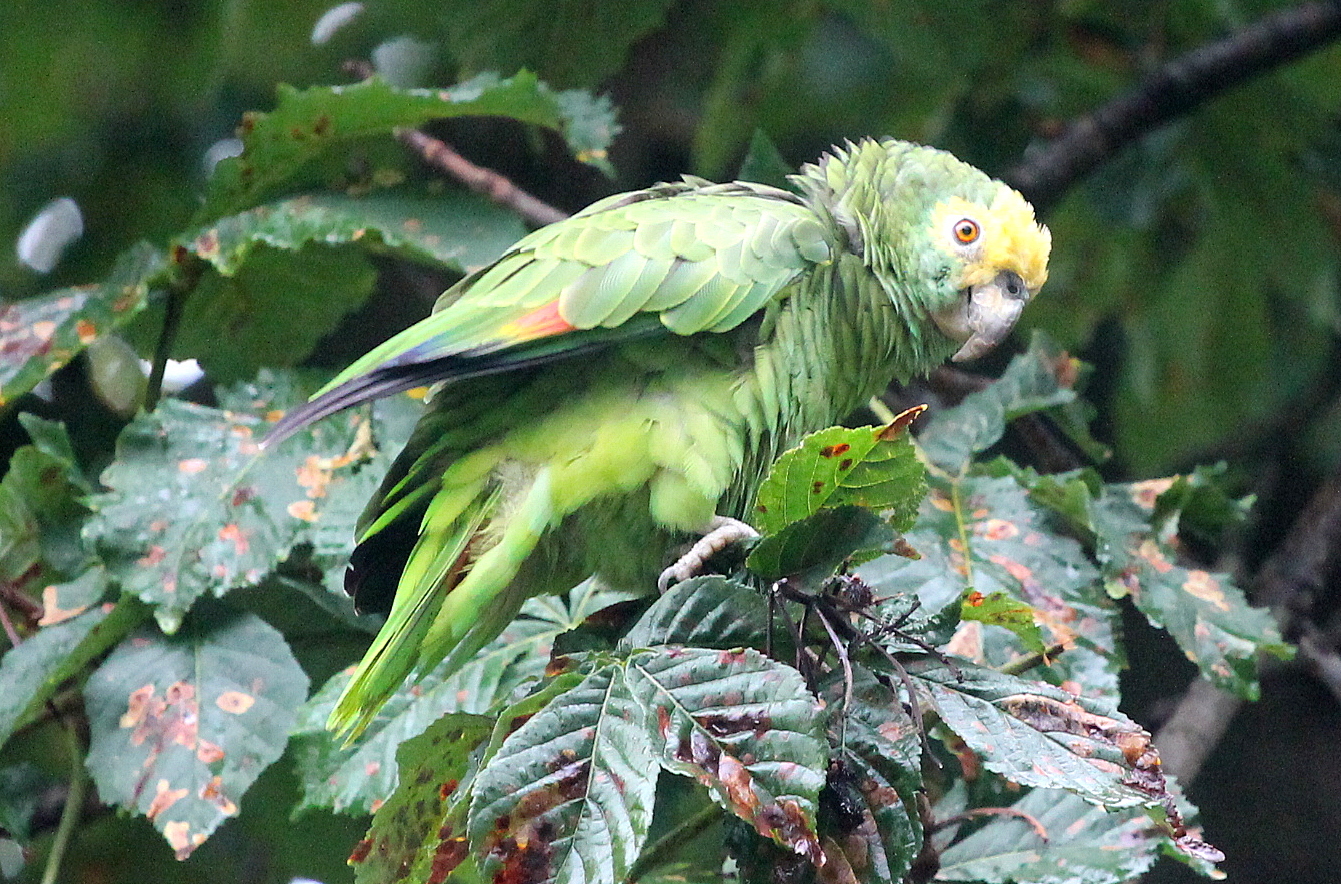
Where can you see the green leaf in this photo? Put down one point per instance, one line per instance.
(745, 727)
(1084, 843)
(1044, 377)
(764, 164)
(704, 612)
(568, 797)
(986, 534)
(873, 467)
(419, 831)
(284, 273)
(355, 778)
(999, 609)
(194, 507)
(33, 671)
(817, 544)
(39, 335)
(180, 726)
(1204, 611)
(453, 228)
(1034, 734)
(284, 150)
(273, 310)
(41, 511)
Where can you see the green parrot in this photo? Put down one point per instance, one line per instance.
(618, 382)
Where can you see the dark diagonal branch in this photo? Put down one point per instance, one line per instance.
(496, 187)
(1175, 88)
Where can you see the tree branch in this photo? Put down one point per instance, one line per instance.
(496, 187)
(1175, 88)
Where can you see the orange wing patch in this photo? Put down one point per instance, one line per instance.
(539, 323)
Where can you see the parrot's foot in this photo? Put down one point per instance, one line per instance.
(722, 532)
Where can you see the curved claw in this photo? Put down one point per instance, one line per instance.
(984, 315)
(721, 532)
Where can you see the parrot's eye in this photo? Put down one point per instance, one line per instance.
(967, 231)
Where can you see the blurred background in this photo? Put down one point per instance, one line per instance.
(1195, 267)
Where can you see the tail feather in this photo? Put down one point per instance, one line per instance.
(396, 651)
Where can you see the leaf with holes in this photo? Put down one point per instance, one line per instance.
(568, 796)
(180, 726)
(746, 728)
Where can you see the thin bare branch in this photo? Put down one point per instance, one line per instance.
(496, 187)
(1174, 89)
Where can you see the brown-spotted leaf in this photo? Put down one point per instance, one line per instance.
(180, 726)
(568, 795)
(194, 507)
(418, 834)
(746, 728)
(1204, 611)
(1035, 735)
(39, 335)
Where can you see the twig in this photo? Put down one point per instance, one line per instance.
(74, 804)
(1178, 86)
(1190, 735)
(496, 187)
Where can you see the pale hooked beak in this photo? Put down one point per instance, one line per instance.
(984, 315)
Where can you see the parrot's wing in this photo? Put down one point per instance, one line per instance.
(676, 258)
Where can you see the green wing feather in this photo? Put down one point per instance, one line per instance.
(680, 258)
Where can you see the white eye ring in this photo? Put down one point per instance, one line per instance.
(966, 231)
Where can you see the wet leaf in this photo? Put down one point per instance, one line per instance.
(180, 726)
(871, 467)
(194, 507)
(746, 728)
(1084, 843)
(1204, 611)
(39, 335)
(419, 833)
(33, 671)
(283, 149)
(568, 796)
(1042, 378)
(358, 777)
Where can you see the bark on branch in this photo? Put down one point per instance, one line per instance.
(1175, 88)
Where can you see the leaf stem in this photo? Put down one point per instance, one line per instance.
(655, 854)
(172, 319)
(74, 804)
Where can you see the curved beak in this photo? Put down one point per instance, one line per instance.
(984, 315)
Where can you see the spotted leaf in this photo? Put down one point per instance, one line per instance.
(180, 726)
